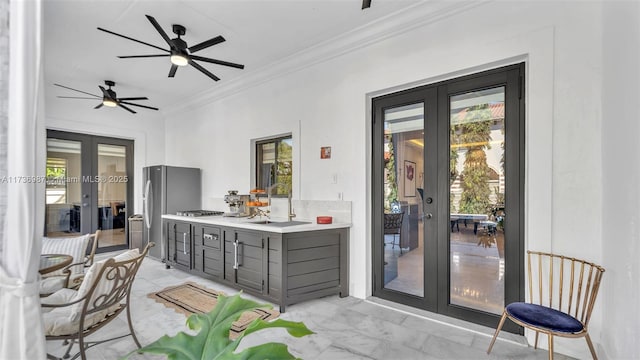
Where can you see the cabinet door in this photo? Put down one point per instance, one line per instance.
(182, 252)
(245, 256)
(209, 240)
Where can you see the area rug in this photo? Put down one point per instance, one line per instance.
(190, 298)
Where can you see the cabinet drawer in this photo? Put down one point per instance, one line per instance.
(211, 237)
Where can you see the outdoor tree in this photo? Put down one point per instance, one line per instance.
(474, 131)
(391, 185)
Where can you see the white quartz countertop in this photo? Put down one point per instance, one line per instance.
(251, 224)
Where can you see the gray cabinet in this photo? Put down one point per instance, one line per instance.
(282, 268)
(244, 258)
(207, 251)
(178, 244)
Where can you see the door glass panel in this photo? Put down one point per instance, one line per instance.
(112, 194)
(477, 188)
(403, 185)
(63, 187)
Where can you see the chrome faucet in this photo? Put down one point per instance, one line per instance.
(290, 213)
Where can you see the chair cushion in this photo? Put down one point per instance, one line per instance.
(103, 287)
(51, 284)
(544, 317)
(74, 246)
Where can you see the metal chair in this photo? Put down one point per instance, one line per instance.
(71, 275)
(567, 291)
(393, 226)
(72, 315)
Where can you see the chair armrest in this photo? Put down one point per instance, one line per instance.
(45, 305)
(67, 272)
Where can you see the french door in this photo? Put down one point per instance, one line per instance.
(89, 187)
(447, 195)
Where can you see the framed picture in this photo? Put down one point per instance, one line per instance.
(325, 152)
(409, 178)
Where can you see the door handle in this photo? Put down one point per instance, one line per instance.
(235, 255)
(184, 243)
(428, 215)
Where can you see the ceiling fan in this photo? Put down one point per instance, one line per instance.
(179, 52)
(109, 97)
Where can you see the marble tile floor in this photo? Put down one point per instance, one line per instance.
(345, 328)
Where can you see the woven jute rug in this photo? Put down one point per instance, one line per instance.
(189, 298)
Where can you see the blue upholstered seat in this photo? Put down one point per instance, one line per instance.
(544, 317)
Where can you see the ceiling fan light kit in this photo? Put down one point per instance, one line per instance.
(179, 53)
(109, 98)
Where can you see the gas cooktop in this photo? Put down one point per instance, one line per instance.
(194, 213)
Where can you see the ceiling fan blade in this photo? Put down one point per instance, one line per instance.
(219, 62)
(172, 71)
(66, 87)
(144, 106)
(132, 39)
(126, 108)
(366, 4)
(205, 44)
(203, 70)
(104, 91)
(99, 106)
(134, 98)
(75, 97)
(142, 56)
(160, 30)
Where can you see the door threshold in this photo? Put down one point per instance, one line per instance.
(449, 321)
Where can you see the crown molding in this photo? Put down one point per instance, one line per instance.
(397, 23)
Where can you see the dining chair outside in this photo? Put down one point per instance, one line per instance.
(393, 226)
(71, 275)
(566, 291)
(73, 315)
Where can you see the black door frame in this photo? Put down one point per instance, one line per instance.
(436, 128)
(89, 155)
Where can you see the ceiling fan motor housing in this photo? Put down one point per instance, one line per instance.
(179, 29)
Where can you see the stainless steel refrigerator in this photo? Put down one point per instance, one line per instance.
(167, 189)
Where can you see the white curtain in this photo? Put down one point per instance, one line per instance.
(21, 328)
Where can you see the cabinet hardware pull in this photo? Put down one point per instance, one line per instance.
(235, 255)
(184, 243)
(208, 237)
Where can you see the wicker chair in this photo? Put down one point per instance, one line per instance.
(72, 315)
(562, 305)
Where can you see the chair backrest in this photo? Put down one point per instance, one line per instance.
(75, 246)
(93, 245)
(107, 283)
(564, 283)
(393, 221)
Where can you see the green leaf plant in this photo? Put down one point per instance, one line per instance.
(212, 339)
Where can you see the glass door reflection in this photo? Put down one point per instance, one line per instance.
(112, 194)
(477, 199)
(403, 182)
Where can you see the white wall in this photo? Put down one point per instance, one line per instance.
(327, 104)
(146, 128)
(621, 178)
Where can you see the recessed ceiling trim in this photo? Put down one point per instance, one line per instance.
(394, 24)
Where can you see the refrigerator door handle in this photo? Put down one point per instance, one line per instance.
(147, 207)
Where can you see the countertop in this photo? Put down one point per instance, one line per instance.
(249, 224)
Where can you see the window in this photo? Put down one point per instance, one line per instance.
(56, 181)
(274, 165)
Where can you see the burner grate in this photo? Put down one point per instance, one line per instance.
(195, 213)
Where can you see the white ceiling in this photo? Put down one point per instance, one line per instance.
(259, 34)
